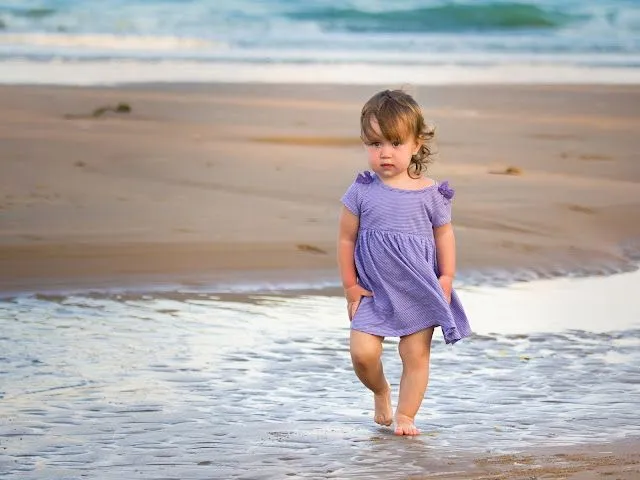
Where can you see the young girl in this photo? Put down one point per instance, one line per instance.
(396, 253)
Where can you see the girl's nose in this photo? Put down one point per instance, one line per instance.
(385, 150)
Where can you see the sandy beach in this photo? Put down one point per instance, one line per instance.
(170, 184)
(215, 183)
(210, 186)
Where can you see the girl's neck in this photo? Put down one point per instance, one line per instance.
(405, 182)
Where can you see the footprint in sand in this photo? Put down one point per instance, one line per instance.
(595, 157)
(509, 170)
(587, 156)
(580, 209)
(303, 247)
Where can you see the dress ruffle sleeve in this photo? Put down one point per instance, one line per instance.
(441, 214)
(352, 199)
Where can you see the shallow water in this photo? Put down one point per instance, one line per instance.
(194, 385)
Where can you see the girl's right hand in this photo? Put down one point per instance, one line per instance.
(354, 295)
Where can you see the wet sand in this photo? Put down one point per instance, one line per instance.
(215, 183)
(619, 460)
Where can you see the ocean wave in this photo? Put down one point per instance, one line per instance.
(441, 18)
(106, 41)
(69, 29)
(27, 12)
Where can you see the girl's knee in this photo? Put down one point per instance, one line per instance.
(365, 349)
(416, 349)
(365, 357)
(415, 354)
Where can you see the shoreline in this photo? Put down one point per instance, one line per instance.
(215, 269)
(197, 184)
(439, 71)
(586, 461)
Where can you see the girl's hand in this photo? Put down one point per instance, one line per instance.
(446, 283)
(354, 294)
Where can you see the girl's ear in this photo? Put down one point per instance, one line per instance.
(417, 147)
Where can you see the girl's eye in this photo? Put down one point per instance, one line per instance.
(396, 144)
(375, 144)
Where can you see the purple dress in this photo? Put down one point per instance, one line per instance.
(395, 257)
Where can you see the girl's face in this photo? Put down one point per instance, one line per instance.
(387, 158)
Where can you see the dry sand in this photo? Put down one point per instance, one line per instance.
(214, 182)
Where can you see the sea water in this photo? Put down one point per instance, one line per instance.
(203, 385)
(321, 41)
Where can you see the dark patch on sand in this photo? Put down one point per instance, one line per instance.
(118, 109)
(509, 170)
(303, 247)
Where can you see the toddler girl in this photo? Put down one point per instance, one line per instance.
(396, 253)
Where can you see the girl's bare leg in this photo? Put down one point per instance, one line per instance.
(415, 352)
(366, 351)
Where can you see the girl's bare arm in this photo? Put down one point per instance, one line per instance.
(347, 235)
(446, 256)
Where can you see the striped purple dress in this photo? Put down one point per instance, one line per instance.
(395, 258)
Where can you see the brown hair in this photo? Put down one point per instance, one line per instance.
(399, 117)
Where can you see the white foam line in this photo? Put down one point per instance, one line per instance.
(88, 73)
(109, 42)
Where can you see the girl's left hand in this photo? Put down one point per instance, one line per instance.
(447, 285)
(352, 307)
(354, 295)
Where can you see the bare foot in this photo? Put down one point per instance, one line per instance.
(405, 425)
(384, 411)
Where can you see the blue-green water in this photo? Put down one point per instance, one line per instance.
(407, 32)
